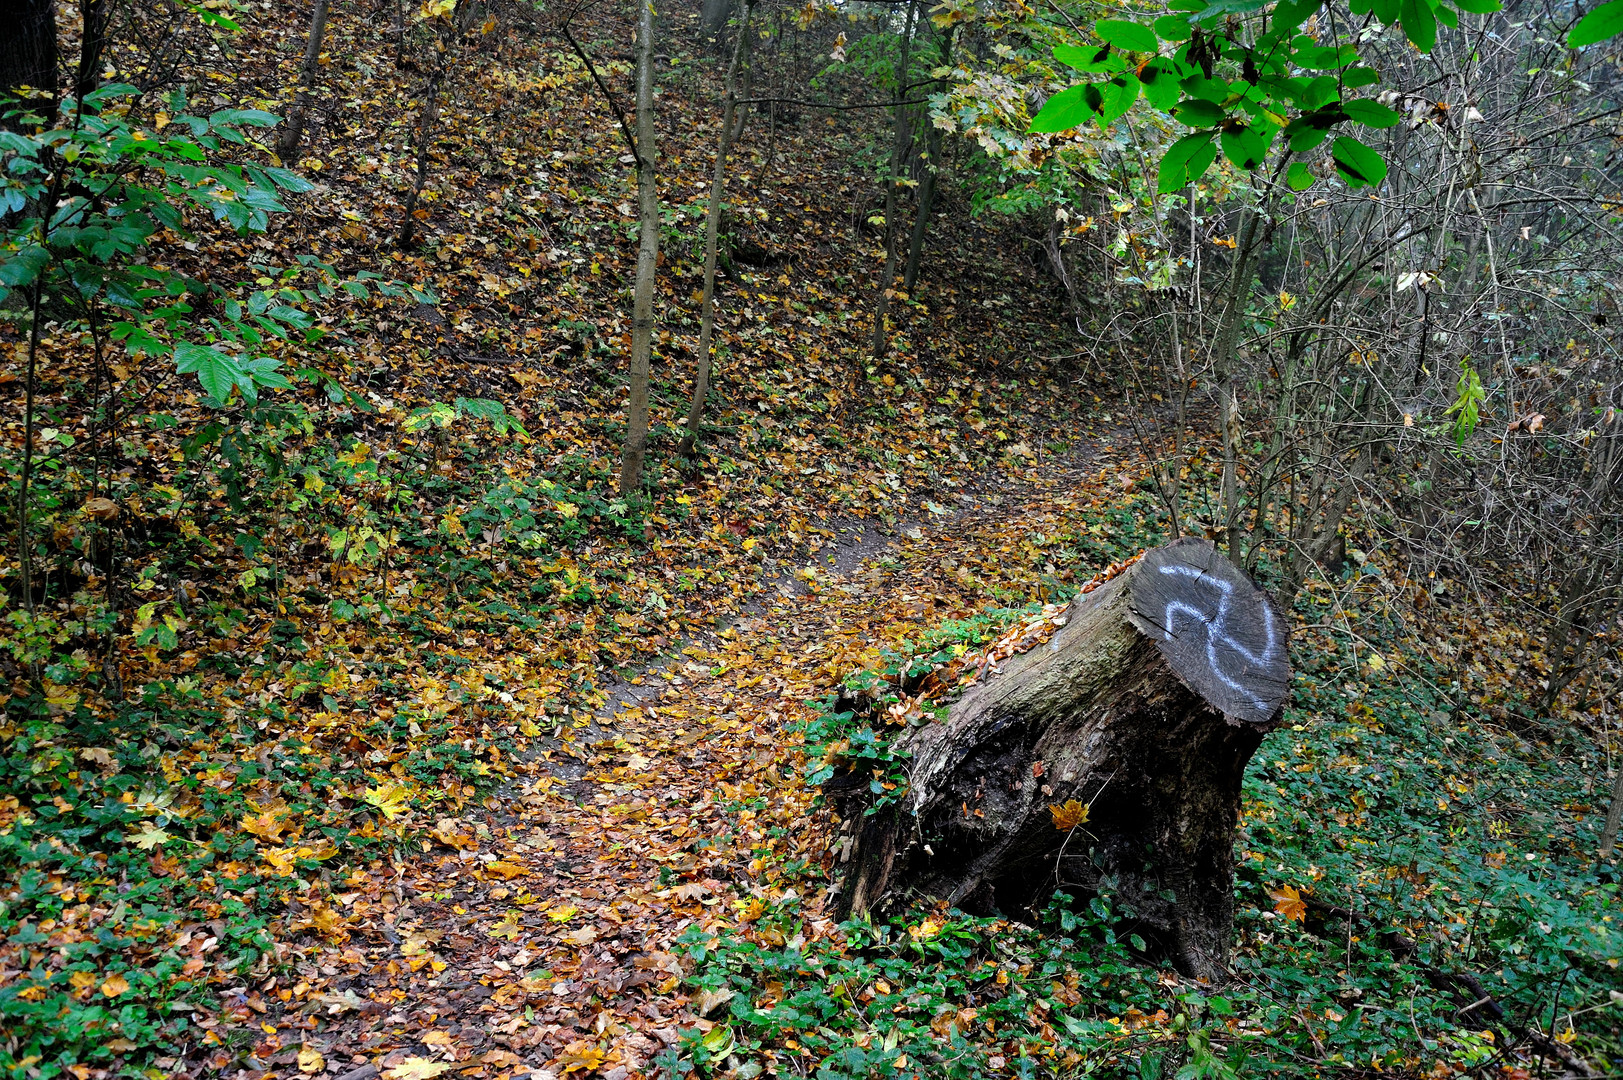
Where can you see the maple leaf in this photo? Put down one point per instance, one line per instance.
(389, 798)
(267, 826)
(564, 913)
(508, 928)
(147, 837)
(1068, 816)
(584, 936)
(1288, 902)
(455, 833)
(581, 1056)
(416, 1068)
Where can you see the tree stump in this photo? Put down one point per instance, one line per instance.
(1144, 707)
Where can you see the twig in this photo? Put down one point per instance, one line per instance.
(608, 95)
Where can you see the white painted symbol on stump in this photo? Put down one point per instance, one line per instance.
(1217, 629)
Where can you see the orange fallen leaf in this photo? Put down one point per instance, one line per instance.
(1288, 902)
(1069, 816)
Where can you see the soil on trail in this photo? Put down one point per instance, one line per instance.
(538, 936)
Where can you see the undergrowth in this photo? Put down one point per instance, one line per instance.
(1400, 858)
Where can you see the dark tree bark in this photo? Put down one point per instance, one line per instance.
(96, 17)
(1144, 707)
(292, 133)
(28, 48)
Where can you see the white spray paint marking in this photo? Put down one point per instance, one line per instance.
(1216, 629)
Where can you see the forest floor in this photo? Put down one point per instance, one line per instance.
(544, 931)
(359, 773)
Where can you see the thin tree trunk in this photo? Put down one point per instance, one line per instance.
(1614, 817)
(932, 168)
(97, 16)
(425, 136)
(287, 143)
(712, 225)
(642, 304)
(1228, 406)
(898, 150)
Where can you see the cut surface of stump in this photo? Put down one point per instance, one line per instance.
(1144, 707)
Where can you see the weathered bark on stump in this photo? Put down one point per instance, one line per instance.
(1145, 707)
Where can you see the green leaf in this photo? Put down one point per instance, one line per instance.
(1117, 96)
(1186, 161)
(1173, 28)
(20, 268)
(1357, 163)
(1371, 114)
(1123, 34)
(1064, 111)
(1446, 15)
(1195, 113)
(1479, 7)
(218, 372)
(1089, 60)
(1353, 78)
(1213, 90)
(1603, 23)
(1306, 132)
(1386, 11)
(1229, 7)
(1419, 23)
(1159, 79)
(1289, 14)
(1298, 177)
(1246, 146)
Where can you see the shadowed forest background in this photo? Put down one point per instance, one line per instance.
(458, 456)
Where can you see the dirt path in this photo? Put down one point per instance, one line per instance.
(537, 938)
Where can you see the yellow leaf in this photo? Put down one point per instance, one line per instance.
(147, 837)
(563, 914)
(114, 986)
(507, 871)
(310, 1060)
(389, 798)
(266, 826)
(1068, 816)
(416, 1068)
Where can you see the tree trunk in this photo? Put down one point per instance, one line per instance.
(97, 18)
(287, 143)
(28, 51)
(1614, 818)
(712, 225)
(642, 303)
(898, 152)
(713, 18)
(1144, 708)
(932, 169)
